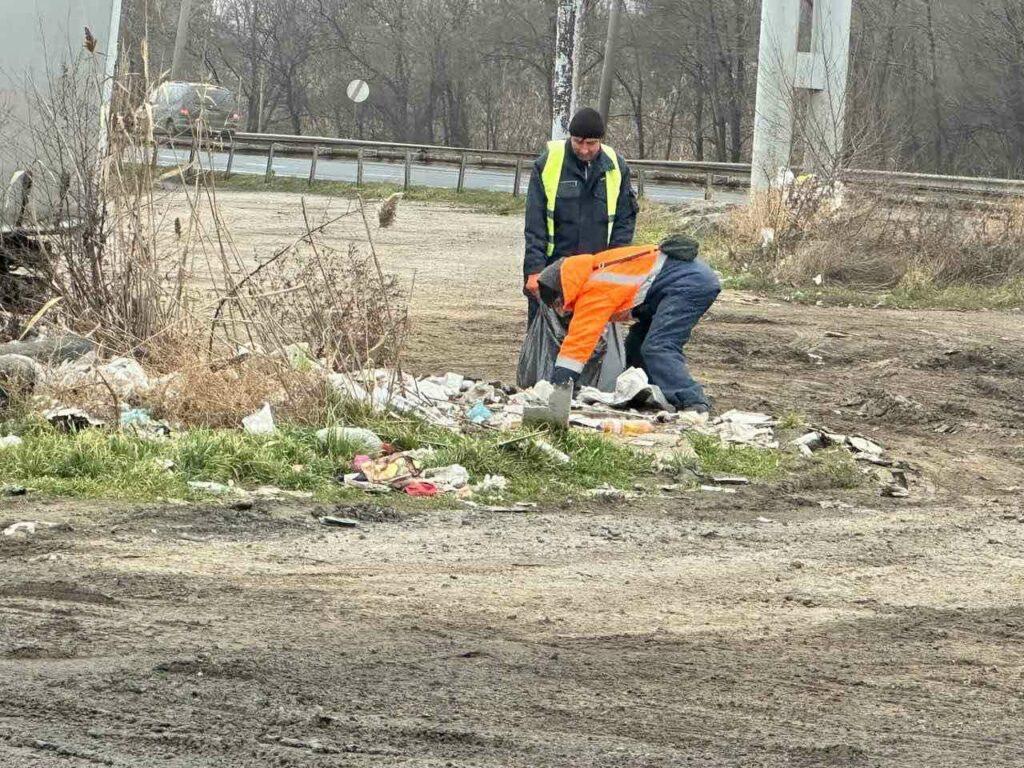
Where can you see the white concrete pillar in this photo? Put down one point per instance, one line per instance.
(776, 81)
(826, 113)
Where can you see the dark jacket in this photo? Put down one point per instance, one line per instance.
(581, 212)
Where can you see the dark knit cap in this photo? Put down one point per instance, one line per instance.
(587, 124)
(680, 247)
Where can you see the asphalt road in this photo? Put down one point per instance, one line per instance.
(343, 169)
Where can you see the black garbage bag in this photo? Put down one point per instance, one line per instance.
(544, 339)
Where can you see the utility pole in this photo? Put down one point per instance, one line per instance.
(608, 69)
(783, 70)
(776, 82)
(568, 35)
(181, 40)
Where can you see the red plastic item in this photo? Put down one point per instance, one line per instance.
(421, 488)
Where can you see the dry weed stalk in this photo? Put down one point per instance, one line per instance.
(154, 273)
(880, 240)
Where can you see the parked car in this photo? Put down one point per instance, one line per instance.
(181, 108)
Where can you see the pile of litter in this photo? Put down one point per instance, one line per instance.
(636, 414)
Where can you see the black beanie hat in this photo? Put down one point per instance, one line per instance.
(680, 247)
(587, 124)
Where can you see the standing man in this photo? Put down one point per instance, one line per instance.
(580, 200)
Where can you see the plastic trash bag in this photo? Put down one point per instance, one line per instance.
(544, 340)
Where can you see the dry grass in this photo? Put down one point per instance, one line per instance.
(868, 243)
(174, 292)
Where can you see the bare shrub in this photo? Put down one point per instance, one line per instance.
(156, 275)
(878, 241)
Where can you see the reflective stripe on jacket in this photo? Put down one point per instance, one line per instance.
(595, 287)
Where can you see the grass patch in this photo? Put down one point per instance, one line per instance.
(532, 473)
(99, 463)
(477, 200)
(717, 458)
(833, 469)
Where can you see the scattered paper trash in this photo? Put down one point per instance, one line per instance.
(717, 489)
(632, 388)
(261, 422)
(11, 441)
(743, 428)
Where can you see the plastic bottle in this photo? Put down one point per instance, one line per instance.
(625, 427)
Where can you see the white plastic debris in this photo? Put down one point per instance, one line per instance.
(448, 478)
(631, 388)
(809, 443)
(11, 441)
(453, 383)
(743, 428)
(22, 528)
(347, 386)
(863, 445)
(554, 453)
(261, 422)
(125, 376)
(217, 489)
(431, 390)
(481, 392)
(717, 489)
(492, 484)
(357, 435)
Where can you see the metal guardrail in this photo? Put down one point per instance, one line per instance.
(709, 174)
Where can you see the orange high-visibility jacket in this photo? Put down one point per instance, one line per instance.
(596, 287)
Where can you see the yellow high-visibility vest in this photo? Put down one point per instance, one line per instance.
(552, 174)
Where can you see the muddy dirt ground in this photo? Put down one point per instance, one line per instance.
(849, 630)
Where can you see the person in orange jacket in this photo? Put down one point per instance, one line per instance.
(664, 288)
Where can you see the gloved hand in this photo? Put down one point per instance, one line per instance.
(563, 375)
(532, 287)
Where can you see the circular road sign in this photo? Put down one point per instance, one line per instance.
(358, 91)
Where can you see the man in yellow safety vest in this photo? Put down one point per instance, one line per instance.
(580, 200)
